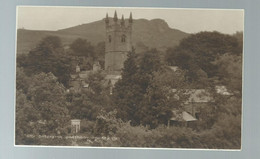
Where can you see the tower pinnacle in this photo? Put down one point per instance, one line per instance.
(107, 20)
(130, 18)
(122, 20)
(115, 17)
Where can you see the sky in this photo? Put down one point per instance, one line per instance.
(187, 20)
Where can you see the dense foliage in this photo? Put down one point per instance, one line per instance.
(87, 103)
(47, 57)
(137, 114)
(197, 52)
(41, 107)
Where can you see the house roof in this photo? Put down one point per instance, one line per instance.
(174, 68)
(113, 78)
(187, 117)
(184, 116)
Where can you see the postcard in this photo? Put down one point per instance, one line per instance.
(129, 77)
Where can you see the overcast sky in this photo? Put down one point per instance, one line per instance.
(187, 20)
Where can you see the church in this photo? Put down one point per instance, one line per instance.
(118, 42)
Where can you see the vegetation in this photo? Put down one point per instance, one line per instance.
(41, 107)
(138, 111)
(87, 103)
(198, 52)
(47, 57)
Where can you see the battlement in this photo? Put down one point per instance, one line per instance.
(119, 23)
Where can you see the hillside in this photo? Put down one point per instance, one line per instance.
(152, 33)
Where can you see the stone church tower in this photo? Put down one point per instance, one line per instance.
(118, 43)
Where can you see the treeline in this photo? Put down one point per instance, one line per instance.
(142, 101)
(205, 56)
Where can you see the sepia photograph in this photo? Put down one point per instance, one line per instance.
(129, 77)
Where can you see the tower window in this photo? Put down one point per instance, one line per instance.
(123, 38)
(109, 39)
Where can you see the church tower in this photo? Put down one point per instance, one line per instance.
(118, 43)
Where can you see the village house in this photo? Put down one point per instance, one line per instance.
(196, 100)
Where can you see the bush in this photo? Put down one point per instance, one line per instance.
(87, 126)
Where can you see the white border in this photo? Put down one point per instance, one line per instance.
(139, 148)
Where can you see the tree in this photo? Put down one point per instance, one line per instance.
(100, 53)
(149, 63)
(84, 53)
(83, 107)
(87, 103)
(127, 94)
(226, 130)
(41, 107)
(130, 91)
(25, 114)
(239, 35)
(49, 98)
(81, 47)
(165, 92)
(22, 81)
(47, 57)
(230, 71)
(198, 51)
(50, 42)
